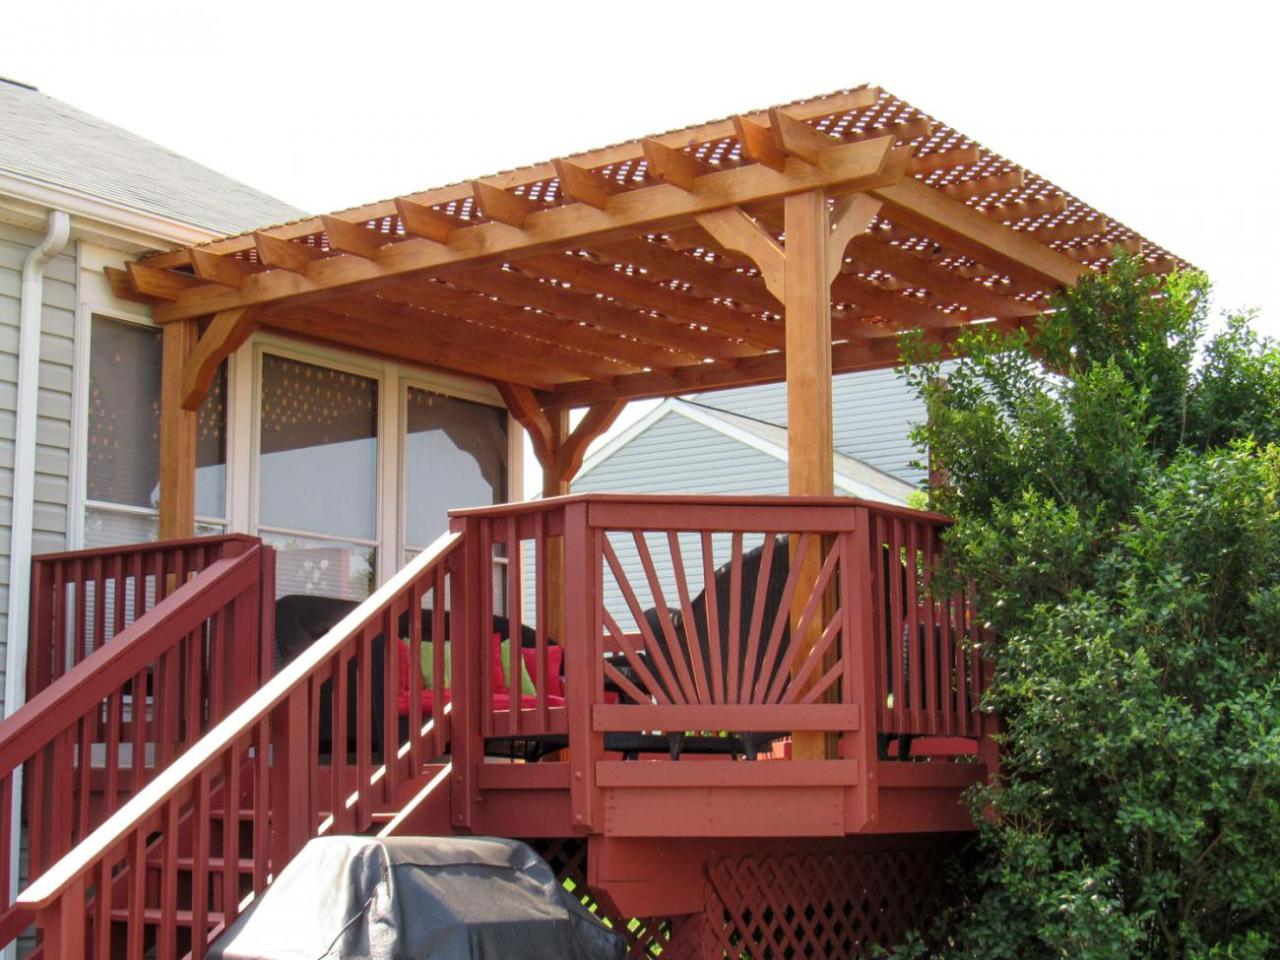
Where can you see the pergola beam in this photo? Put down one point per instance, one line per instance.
(629, 152)
(603, 314)
(584, 184)
(308, 272)
(436, 340)
(673, 303)
(354, 238)
(868, 354)
(971, 231)
(279, 254)
(603, 354)
(502, 205)
(919, 272)
(215, 268)
(159, 284)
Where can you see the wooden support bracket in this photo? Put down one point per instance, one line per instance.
(852, 217)
(734, 230)
(558, 451)
(573, 448)
(225, 334)
(524, 406)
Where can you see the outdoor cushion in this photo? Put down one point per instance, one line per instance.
(526, 679)
(429, 663)
(501, 694)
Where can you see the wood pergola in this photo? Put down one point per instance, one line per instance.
(785, 244)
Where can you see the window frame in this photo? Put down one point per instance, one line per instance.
(80, 503)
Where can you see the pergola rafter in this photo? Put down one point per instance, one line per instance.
(786, 243)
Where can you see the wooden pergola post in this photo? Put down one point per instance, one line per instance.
(799, 276)
(559, 451)
(177, 434)
(810, 434)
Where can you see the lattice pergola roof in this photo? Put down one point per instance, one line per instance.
(609, 274)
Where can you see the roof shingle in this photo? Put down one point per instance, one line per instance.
(52, 142)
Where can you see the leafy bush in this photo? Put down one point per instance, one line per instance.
(1115, 482)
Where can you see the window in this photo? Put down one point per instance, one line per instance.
(455, 455)
(122, 469)
(317, 477)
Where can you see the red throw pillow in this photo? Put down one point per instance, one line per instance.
(496, 675)
(555, 667)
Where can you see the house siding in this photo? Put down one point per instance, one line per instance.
(676, 455)
(873, 413)
(54, 408)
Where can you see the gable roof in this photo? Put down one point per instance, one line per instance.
(852, 477)
(51, 142)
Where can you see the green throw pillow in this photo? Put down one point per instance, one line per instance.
(429, 664)
(526, 682)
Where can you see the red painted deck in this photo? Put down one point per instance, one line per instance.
(677, 618)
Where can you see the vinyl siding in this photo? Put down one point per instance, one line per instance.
(676, 455)
(53, 441)
(873, 414)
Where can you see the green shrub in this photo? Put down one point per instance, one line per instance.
(1115, 482)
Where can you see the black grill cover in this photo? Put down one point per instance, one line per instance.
(417, 898)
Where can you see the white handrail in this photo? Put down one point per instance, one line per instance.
(98, 844)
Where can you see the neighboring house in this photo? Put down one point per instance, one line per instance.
(79, 429)
(873, 413)
(735, 442)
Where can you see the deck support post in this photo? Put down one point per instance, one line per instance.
(177, 434)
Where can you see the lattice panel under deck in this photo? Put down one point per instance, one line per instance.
(828, 906)
(672, 938)
(821, 906)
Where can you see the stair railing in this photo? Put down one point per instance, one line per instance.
(104, 728)
(300, 758)
(81, 599)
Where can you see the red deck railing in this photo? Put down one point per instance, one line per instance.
(80, 599)
(104, 728)
(753, 617)
(311, 752)
(722, 619)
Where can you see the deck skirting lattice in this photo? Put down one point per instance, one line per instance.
(780, 907)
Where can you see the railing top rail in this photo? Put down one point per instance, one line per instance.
(104, 670)
(149, 546)
(45, 889)
(776, 502)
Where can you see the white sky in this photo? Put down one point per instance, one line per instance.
(1158, 114)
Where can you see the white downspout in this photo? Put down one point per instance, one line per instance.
(24, 455)
(24, 480)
